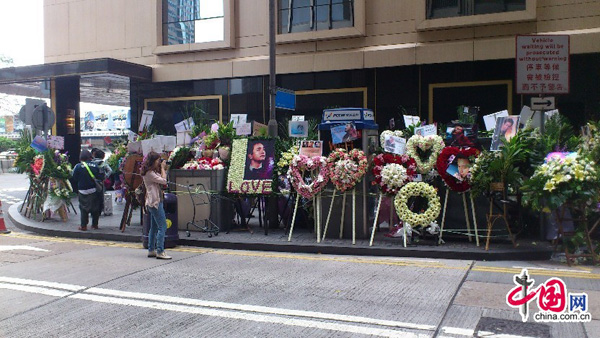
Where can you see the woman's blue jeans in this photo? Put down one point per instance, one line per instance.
(158, 228)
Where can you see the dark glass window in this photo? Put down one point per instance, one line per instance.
(192, 21)
(450, 8)
(314, 15)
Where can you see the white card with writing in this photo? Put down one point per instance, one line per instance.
(297, 117)
(243, 129)
(490, 120)
(410, 120)
(238, 119)
(147, 116)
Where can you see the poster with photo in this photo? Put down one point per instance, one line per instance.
(251, 167)
(506, 128)
(490, 120)
(311, 148)
(427, 130)
(394, 144)
(344, 133)
(460, 168)
(298, 129)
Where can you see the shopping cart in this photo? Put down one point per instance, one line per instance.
(201, 201)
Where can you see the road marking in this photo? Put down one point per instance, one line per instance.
(13, 189)
(584, 274)
(458, 331)
(21, 247)
(539, 272)
(551, 269)
(308, 319)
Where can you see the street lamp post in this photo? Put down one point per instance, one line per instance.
(272, 128)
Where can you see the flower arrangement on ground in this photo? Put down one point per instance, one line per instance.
(573, 179)
(424, 150)
(180, 156)
(414, 189)
(346, 169)
(461, 159)
(204, 163)
(392, 172)
(317, 169)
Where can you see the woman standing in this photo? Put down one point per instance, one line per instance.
(85, 174)
(154, 175)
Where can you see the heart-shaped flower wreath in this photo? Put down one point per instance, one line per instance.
(432, 144)
(393, 171)
(456, 183)
(346, 168)
(319, 174)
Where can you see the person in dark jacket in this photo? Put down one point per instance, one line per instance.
(90, 200)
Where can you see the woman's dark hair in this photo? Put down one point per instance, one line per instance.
(512, 122)
(97, 153)
(150, 159)
(85, 155)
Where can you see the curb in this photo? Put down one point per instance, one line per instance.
(333, 249)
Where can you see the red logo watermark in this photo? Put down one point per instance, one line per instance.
(551, 298)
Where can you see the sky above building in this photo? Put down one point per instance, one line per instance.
(22, 31)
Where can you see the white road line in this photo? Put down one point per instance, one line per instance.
(20, 247)
(458, 331)
(35, 289)
(260, 309)
(53, 285)
(251, 317)
(489, 334)
(13, 189)
(307, 319)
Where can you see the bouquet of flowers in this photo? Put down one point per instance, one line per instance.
(204, 163)
(393, 171)
(179, 156)
(572, 179)
(286, 159)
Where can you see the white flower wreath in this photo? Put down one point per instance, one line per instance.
(433, 142)
(394, 175)
(417, 189)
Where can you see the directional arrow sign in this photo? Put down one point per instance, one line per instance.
(542, 103)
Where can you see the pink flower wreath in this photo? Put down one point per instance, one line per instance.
(317, 166)
(346, 168)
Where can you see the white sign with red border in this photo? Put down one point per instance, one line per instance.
(542, 64)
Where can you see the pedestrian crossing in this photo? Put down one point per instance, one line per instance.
(8, 199)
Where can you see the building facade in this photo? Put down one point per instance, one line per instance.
(416, 57)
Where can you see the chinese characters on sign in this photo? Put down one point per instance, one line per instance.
(542, 64)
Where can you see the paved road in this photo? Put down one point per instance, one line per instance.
(56, 287)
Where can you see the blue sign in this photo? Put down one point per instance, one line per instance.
(285, 99)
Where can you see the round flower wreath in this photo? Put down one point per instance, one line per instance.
(317, 166)
(389, 173)
(431, 142)
(448, 156)
(346, 168)
(413, 189)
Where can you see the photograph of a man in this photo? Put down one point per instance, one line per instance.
(259, 160)
(506, 128)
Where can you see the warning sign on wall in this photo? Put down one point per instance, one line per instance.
(542, 64)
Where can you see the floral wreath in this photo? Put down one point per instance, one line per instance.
(413, 189)
(446, 157)
(386, 133)
(318, 168)
(393, 171)
(346, 168)
(434, 143)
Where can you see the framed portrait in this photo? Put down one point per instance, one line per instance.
(311, 148)
(506, 128)
(394, 144)
(298, 128)
(251, 167)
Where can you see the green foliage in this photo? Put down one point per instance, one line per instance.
(510, 165)
(558, 136)
(181, 156)
(6, 144)
(465, 118)
(199, 116)
(114, 160)
(226, 133)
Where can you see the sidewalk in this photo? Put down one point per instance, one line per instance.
(303, 240)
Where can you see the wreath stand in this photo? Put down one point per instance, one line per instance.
(493, 217)
(132, 180)
(560, 216)
(316, 213)
(342, 215)
(464, 198)
(35, 197)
